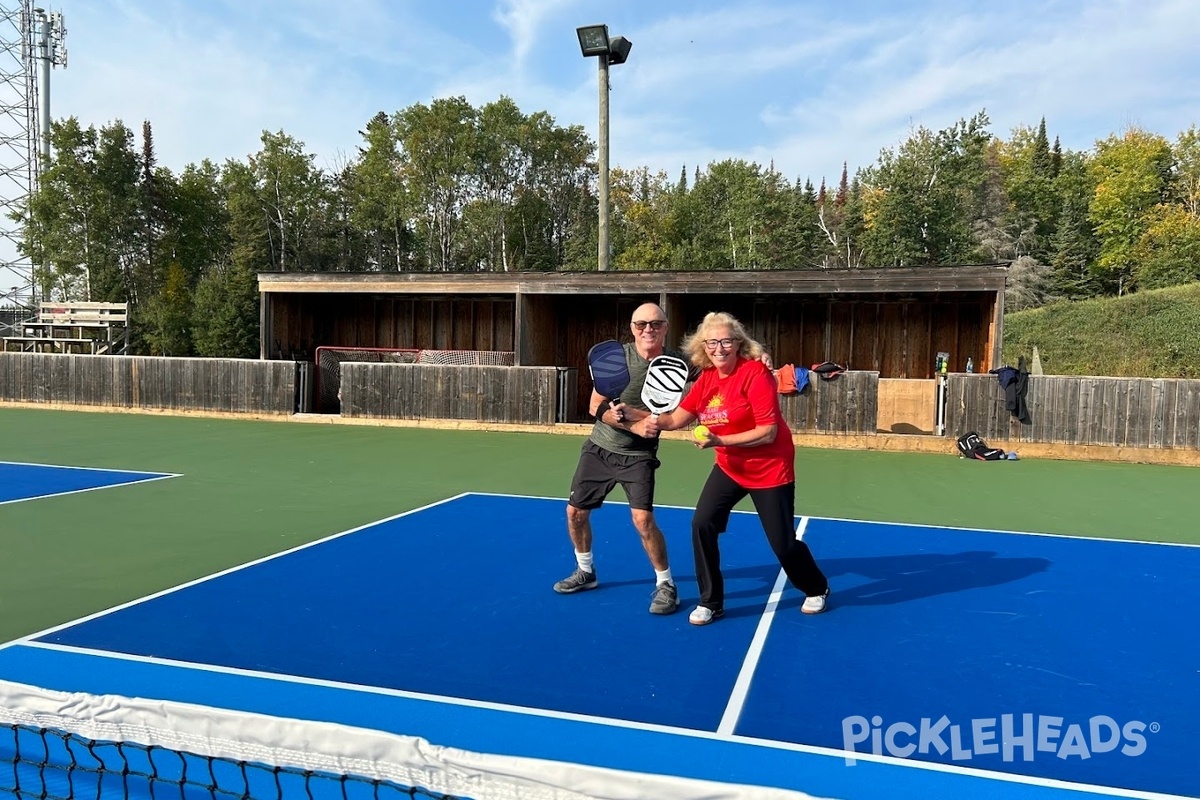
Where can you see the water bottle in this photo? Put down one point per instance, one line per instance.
(970, 365)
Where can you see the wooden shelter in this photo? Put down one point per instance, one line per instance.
(891, 321)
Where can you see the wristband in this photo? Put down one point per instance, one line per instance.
(600, 409)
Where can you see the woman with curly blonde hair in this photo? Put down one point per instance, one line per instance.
(736, 399)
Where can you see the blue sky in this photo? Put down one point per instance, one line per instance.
(805, 85)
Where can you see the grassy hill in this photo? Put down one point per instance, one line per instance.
(1151, 334)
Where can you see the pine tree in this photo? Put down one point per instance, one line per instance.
(1043, 165)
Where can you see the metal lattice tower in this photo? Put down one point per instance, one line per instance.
(29, 37)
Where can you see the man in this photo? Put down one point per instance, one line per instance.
(619, 451)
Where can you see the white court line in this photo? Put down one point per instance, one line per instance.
(741, 687)
(151, 478)
(1071, 536)
(28, 639)
(613, 722)
(89, 469)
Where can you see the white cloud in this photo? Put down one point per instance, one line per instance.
(523, 19)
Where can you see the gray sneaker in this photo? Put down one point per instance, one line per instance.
(665, 599)
(577, 581)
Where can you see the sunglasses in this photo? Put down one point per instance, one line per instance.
(654, 324)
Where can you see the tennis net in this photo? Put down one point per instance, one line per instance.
(63, 746)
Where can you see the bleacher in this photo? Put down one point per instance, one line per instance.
(81, 328)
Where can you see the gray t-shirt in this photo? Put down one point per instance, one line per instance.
(619, 440)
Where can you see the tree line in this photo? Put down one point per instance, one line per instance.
(451, 187)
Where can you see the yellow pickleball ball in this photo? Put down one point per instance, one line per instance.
(701, 432)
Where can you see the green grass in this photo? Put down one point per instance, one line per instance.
(1151, 334)
(250, 488)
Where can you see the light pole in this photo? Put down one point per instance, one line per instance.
(595, 41)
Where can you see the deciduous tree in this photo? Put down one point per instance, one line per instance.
(1132, 174)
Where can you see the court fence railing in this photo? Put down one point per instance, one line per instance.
(1138, 414)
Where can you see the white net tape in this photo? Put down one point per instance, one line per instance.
(342, 750)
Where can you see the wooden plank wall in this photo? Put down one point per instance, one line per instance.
(537, 331)
(1122, 412)
(531, 395)
(586, 321)
(897, 339)
(517, 395)
(847, 404)
(301, 323)
(185, 384)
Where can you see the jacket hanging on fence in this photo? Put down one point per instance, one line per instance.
(791, 379)
(1015, 383)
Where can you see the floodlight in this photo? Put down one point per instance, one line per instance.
(593, 40)
(618, 49)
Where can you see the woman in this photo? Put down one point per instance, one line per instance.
(736, 399)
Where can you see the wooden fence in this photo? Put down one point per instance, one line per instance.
(194, 384)
(515, 395)
(1123, 412)
(1145, 413)
(847, 404)
(545, 395)
(518, 395)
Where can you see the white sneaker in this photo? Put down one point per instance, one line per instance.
(815, 604)
(702, 616)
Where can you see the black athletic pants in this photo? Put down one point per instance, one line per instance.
(776, 510)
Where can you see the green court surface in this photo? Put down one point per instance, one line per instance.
(247, 489)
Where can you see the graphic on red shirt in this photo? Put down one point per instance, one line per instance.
(715, 412)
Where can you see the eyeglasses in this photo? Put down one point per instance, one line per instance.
(655, 324)
(713, 344)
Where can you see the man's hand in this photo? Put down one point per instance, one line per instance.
(647, 427)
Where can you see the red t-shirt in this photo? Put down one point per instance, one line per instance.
(741, 402)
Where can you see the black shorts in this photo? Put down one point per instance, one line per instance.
(600, 470)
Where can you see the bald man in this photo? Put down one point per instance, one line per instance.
(619, 451)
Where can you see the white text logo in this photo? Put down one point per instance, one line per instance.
(1010, 736)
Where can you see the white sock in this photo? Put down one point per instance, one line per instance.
(584, 560)
(663, 575)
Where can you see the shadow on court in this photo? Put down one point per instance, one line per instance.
(900, 578)
(893, 579)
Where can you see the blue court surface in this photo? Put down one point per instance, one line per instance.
(20, 482)
(951, 663)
